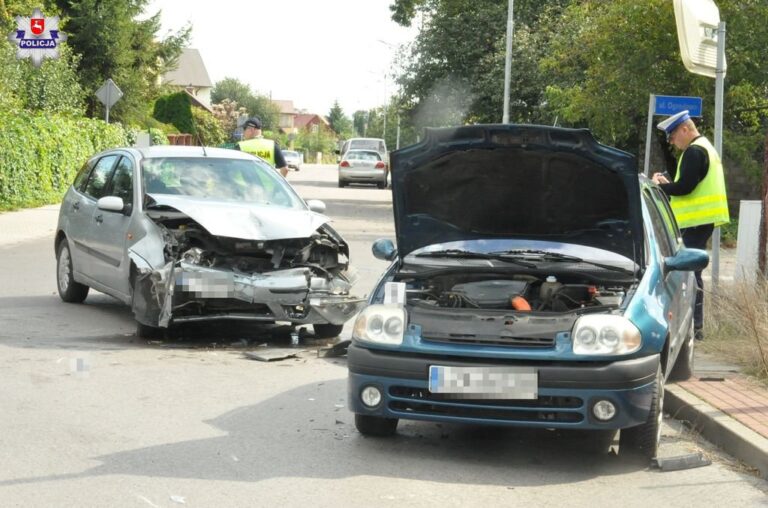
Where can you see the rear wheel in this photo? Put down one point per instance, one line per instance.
(382, 185)
(645, 438)
(327, 331)
(342, 184)
(683, 369)
(69, 290)
(375, 426)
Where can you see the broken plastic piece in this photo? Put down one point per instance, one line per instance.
(680, 462)
(271, 354)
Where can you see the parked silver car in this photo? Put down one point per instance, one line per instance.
(293, 159)
(363, 166)
(187, 234)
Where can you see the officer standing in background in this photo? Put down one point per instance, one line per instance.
(697, 193)
(254, 143)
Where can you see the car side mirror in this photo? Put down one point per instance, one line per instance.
(687, 260)
(384, 249)
(111, 204)
(316, 205)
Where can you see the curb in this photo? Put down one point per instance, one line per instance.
(718, 428)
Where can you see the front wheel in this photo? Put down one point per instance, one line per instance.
(375, 426)
(69, 290)
(645, 438)
(327, 331)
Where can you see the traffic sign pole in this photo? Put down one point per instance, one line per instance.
(719, 85)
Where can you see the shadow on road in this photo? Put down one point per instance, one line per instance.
(292, 439)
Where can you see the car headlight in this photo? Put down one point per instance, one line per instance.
(380, 324)
(600, 334)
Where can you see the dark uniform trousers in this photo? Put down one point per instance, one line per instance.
(697, 238)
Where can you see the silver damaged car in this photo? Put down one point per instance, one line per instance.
(185, 234)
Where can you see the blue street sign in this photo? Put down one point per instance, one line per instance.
(671, 104)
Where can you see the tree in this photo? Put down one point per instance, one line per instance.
(113, 43)
(255, 104)
(360, 122)
(227, 112)
(339, 121)
(605, 58)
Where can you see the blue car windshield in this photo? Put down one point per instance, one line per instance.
(240, 180)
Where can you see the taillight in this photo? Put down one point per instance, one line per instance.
(380, 165)
(344, 164)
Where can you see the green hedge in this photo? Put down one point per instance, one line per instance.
(40, 154)
(175, 109)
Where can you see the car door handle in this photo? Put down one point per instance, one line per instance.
(99, 218)
(76, 205)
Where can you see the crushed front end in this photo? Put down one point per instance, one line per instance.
(207, 277)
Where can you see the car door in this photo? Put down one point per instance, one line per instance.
(108, 233)
(84, 258)
(676, 284)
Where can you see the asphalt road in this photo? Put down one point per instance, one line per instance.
(92, 416)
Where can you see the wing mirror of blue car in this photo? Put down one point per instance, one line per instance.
(383, 248)
(687, 260)
(316, 205)
(111, 204)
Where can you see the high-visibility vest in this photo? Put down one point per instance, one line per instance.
(264, 148)
(707, 204)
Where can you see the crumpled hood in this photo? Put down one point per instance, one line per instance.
(245, 221)
(516, 182)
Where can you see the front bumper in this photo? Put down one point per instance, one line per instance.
(190, 293)
(566, 391)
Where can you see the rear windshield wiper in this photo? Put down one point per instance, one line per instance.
(465, 254)
(567, 258)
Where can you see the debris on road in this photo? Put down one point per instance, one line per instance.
(338, 349)
(271, 354)
(690, 461)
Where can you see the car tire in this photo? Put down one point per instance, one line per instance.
(69, 290)
(683, 369)
(375, 426)
(644, 439)
(342, 184)
(382, 185)
(327, 331)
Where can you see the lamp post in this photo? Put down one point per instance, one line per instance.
(508, 60)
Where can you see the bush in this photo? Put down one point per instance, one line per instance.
(175, 109)
(208, 128)
(40, 154)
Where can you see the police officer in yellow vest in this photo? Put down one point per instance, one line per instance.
(253, 142)
(697, 192)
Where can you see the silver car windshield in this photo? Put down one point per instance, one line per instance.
(240, 180)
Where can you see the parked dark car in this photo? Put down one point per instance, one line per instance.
(538, 281)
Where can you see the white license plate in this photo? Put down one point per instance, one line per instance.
(484, 382)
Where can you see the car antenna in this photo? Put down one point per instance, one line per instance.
(197, 135)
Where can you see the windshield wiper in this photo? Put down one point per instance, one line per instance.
(465, 254)
(567, 258)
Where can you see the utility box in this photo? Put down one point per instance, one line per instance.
(697, 23)
(748, 243)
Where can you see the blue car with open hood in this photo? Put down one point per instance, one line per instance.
(538, 280)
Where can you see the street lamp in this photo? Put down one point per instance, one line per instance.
(508, 60)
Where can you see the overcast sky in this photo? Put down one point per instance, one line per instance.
(308, 51)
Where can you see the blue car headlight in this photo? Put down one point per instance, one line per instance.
(380, 324)
(601, 334)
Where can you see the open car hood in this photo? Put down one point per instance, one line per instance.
(516, 181)
(243, 220)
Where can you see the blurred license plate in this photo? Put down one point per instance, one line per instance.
(484, 382)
